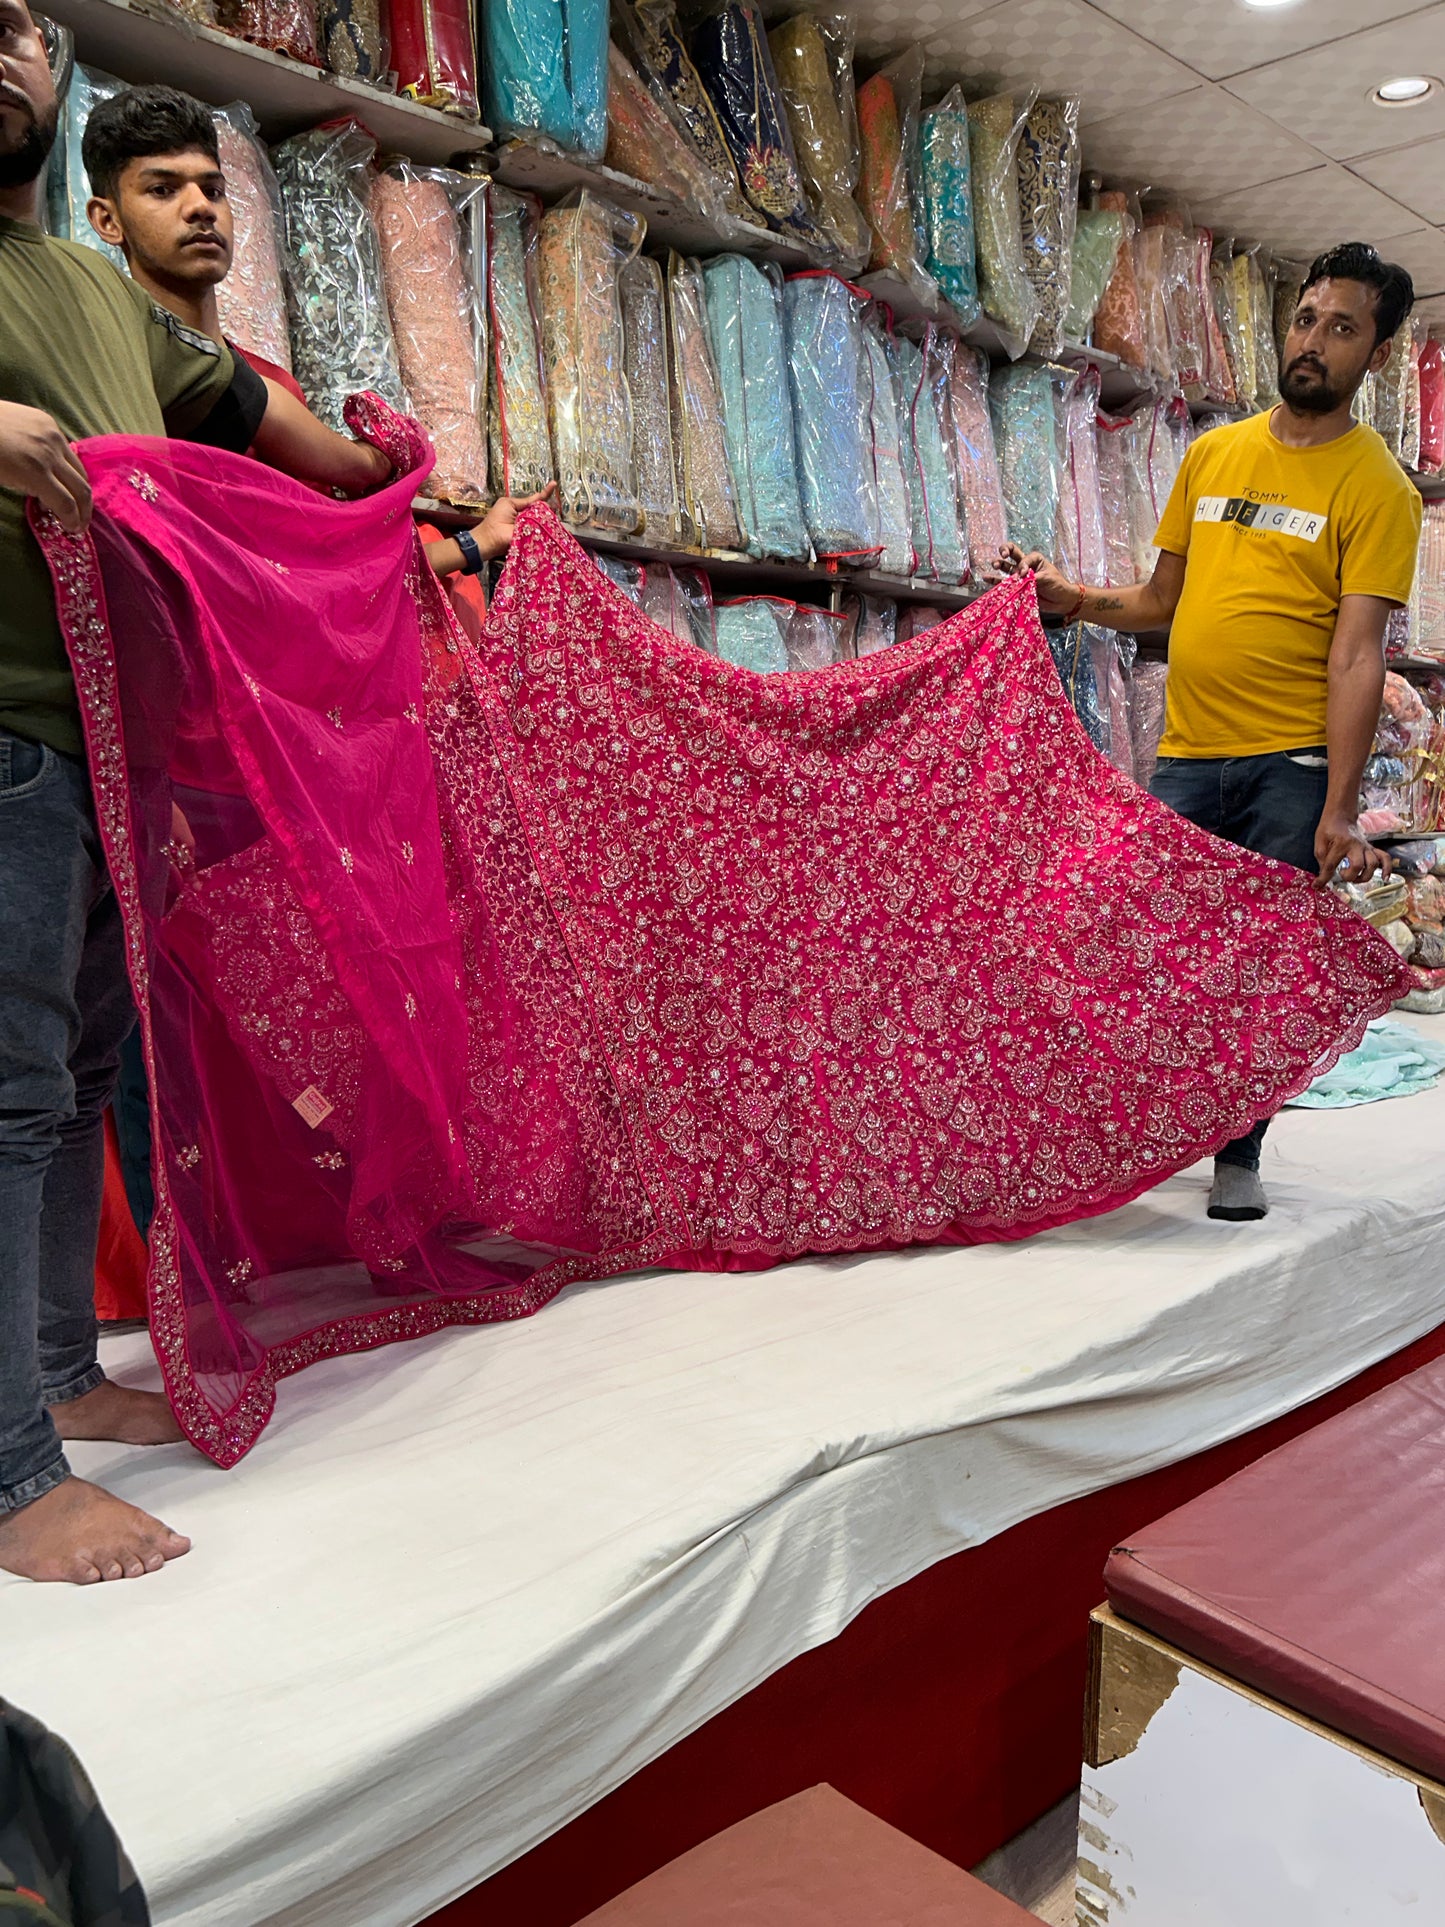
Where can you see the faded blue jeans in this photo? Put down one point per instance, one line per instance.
(1269, 804)
(65, 1010)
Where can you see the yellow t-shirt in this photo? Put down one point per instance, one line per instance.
(1274, 536)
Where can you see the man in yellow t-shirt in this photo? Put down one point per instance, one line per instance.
(1287, 540)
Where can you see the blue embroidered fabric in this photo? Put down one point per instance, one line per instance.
(745, 322)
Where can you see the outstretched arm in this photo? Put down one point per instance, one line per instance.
(493, 534)
(1357, 682)
(292, 439)
(1144, 605)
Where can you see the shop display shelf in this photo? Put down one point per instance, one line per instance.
(1432, 487)
(285, 95)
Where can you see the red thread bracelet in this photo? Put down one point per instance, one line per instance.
(1077, 609)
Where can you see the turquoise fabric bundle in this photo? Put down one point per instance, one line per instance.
(890, 478)
(745, 323)
(753, 634)
(67, 185)
(831, 383)
(544, 71)
(1393, 1060)
(947, 189)
(931, 489)
(1021, 401)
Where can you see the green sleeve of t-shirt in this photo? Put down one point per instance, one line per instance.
(190, 371)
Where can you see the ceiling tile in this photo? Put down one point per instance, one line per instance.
(1323, 95)
(1226, 37)
(1431, 311)
(1199, 144)
(1306, 212)
(1059, 46)
(1414, 176)
(1422, 256)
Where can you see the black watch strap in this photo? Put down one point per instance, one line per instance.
(473, 561)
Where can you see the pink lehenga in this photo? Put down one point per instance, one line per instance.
(468, 972)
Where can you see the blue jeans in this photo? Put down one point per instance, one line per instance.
(65, 1010)
(1269, 804)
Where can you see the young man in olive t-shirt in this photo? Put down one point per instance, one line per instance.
(1287, 540)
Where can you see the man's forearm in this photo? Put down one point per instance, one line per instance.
(1355, 688)
(1139, 607)
(292, 439)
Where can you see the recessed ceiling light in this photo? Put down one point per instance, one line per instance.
(1267, 6)
(1405, 91)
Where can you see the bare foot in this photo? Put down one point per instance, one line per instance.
(119, 1414)
(79, 1533)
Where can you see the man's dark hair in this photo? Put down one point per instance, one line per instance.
(1358, 261)
(139, 123)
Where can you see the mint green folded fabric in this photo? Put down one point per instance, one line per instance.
(1392, 1061)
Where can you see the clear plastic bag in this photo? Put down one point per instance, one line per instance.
(544, 67)
(1261, 308)
(1230, 274)
(643, 144)
(1074, 661)
(1120, 570)
(831, 377)
(585, 244)
(644, 334)
(1005, 291)
(1155, 441)
(980, 487)
(67, 185)
(813, 62)
(873, 623)
(626, 576)
(1098, 239)
(706, 492)
(435, 320)
(890, 480)
(1148, 694)
(1218, 382)
(1048, 164)
(745, 326)
(341, 339)
(752, 633)
(946, 170)
(251, 301)
(1289, 282)
(1180, 297)
(730, 51)
(1113, 655)
(520, 438)
(1432, 406)
(888, 105)
(916, 619)
(652, 40)
(922, 376)
(1025, 435)
(284, 26)
(1392, 389)
(681, 600)
(1119, 315)
(1083, 541)
(1149, 274)
(356, 40)
(816, 637)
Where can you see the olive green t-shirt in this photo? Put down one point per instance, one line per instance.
(83, 342)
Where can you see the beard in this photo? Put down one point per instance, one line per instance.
(21, 164)
(1308, 390)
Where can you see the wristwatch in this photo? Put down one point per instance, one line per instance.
(473, 561)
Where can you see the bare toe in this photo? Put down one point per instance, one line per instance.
(79, 1533)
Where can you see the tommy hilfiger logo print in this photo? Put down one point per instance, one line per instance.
(1268, 518)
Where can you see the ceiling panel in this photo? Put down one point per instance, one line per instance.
(1226, 37)
(1202, 144)
(1422, 256)
(1414, 176)
(1059, 46)
(1307, 212)
(1323, 95)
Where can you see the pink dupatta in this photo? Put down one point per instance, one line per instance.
(495, 968)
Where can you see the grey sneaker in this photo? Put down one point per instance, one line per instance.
(1237, 1196)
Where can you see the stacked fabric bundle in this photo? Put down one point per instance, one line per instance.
(745, 325)
(251, 301)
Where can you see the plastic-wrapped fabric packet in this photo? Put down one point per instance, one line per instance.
(521, 441)
(341, 339)
(251, 301)
(544, 71)
(67, 185)
(1149, 274)
(1098, 239)
(980, 487)
(815, 636)
(1180, 297)
(752, 633)
(1410, 434)
(434, 317)
(1074, 661)
(644, 336)
(1261, 307)
(1218, 382)
(680, 600)
(434, 52)
(890, 480)
(813, 62)
(1083, 541)
(1432, 405)
(1113, 459)
(284, 26)
(1155, 446)
(1113, 655)
(1289, 282)
(916, 619)
(926, 422)
(1230, 275)
(1048, 164)
(888, 105)
(626, 576)
(585, 244)
(995, 127)
(1392, 383)
(356, 40)
(643, 144)
(196, 13)
(874, 623)
(652, 40)
(730, 51)
(831, 377)
(706, 493)
(910, 374)
(1119, 314)
(1025, 436)
(745, 326)
(1148, 690)
(946, 169)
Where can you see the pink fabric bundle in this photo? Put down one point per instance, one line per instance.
(979, 484)
(251, 301)
(1432, 406)
(500, 967)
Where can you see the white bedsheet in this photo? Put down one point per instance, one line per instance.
(463, 1588)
